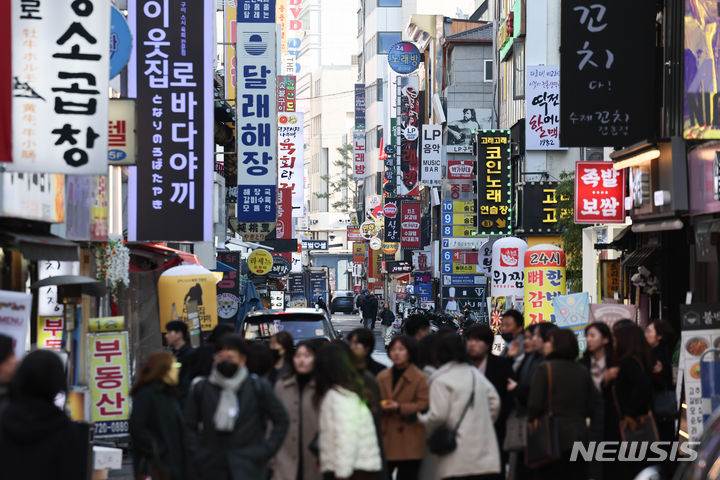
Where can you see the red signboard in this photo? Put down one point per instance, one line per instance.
(461, 170)
(599, 193)
(410, 224)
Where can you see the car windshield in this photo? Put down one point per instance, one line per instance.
(299, 326)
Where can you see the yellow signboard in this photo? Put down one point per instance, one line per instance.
(106, 324)
(229, 39)
(50, 333)
(175, 291)
(260, 262)
(108, 382)
(460, 268)
(462, 231)
(463, 207)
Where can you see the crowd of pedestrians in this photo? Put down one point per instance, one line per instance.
(446, 408)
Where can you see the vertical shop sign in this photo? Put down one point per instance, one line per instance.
(6, 86)
(493, 170)
(170, 191)
(507, 277)
(431, 155)
(121, 131)
(360, 106)
(257, 121)
(542, 122)
(230, 17)
(410, 224)
(284, 227)
(294, 43)
(600, 104)
(544, 280)
(109, 382)
(61, 72)
(286, 93)
(359, 155)
(50, 333)
(409, 118)
(281, 18)
(599, 193)
(15, 318)
(228, 289)
(539, 208)
(291, 143)
(392, 213)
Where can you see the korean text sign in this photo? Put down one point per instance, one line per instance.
(170, 192)
(542, 122)
(291, 143)
(493, 171)
(15, 318)
(409, 125)
(286, 93)
(359, 155)
(359, 106)
(109, 381)
(410, 213)
(600, 104)
(599, 193)
(61, 65)
(431, 155)
(544, 280)
(257, 119)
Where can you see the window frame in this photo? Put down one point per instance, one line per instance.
(491, 70)
(378, 41)
(518, 60)
(399, 4)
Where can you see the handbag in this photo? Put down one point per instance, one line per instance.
(636, 429)
(515, 432)
(443, 440)
(664, 404)
(543, 444)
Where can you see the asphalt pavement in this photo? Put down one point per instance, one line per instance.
(347, 323)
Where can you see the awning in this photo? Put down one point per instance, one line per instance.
(86, 285)
(164, 257)
(221, 267)
(41, 247)
(642, 256)
(621, 241)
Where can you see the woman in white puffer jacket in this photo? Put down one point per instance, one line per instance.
(347, 439)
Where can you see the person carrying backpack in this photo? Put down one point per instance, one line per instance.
(226, 415)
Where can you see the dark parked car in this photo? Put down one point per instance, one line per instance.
(342, 301)
(301, 323)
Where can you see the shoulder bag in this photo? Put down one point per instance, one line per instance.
(443, 440)
(543, 445)
(638, 429)
(515, 432)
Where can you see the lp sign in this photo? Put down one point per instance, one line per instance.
(431, 157)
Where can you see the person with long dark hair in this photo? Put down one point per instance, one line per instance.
(37, 439)
(404, 392)
(156, 422)
(347, 440)
(661, 338)
(598, 353)
(295, 459)
(282, 348)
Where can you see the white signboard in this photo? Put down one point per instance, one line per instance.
(461, 123)
(508, 266)
(121, 131)
(291, 144)
(542, 122)
(34, 196)
(359, 155)
(15, 318)
(60, 66)
(48, 305)
(459, 243)
(431, 155)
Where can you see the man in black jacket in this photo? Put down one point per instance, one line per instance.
(225, 418)
(177, 338)
(369, 311)
(362, 344)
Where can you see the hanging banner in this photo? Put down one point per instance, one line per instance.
(431, 155)
(15, 318)
(109, 382)
(599, 193)
(286, 93)
(291, 144)
(360, 106)
(121, 131)
(359, 155)
(494, 182)
(573, 312)
(257, 123)
(542, 121)
(600, 104)
(409, 125)
(410, 224)
(228, 289)
(183, 284)
(544, 280)
(171, 191)
(61, 71)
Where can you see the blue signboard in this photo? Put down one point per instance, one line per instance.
(120, 42)
(404, 57)
(256, 11)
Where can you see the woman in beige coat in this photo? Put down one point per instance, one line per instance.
(295, 459)
(477, 450)
(404, 393)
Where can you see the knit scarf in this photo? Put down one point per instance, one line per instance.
(227, 408)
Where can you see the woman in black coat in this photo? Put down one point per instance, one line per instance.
(37, 439)
(156, 422)
(661, 338)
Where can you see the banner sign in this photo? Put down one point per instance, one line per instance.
(121, 131)
(359, 166)
(392, 219)
(539, 210)
(544, 280)
(256, 100)
(462, 124)
(542, 122)
(599, 193)
(508, 264)
(50, 332)
(314, 245)
(359, 252)
(460, 169)
(15, 318)
(395, 267)
(431, 155)
(467, 296)
(228, 289)
(186, 283)
(171, 190)
(409, 118)
(410, 224)
(109, 382)
(291, 144)
(600, 104)
(494, 182)
(286, 93)
(61, 72)
(284, 227)
(573, 312)
(360, 106)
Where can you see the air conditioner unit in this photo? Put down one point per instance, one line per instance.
(592, 154)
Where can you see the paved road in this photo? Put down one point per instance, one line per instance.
(348, 323)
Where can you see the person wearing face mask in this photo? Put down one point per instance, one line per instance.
(297, 458)
(156, 422)
(37, 439)
(226, 415)
(281, 346)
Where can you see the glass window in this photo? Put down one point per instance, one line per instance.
(389, 3)
(379, 89)
(387, 40)
(518, 63)
(488, 70)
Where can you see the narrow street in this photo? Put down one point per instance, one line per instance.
(348, 323)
